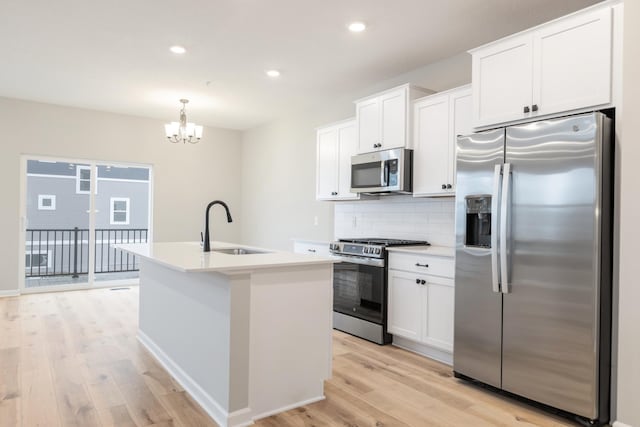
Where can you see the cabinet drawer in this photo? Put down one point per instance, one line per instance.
(422, 264)
(311, 248)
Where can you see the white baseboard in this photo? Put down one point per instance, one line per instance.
(10, 293)
(240, 418)
(620, 424)
(424, 350)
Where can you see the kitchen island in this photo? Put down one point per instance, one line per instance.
(246, 332)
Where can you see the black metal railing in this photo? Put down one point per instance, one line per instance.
(65, 252)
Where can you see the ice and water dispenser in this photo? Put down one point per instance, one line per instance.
(478, 221)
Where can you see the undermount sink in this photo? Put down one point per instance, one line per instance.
(239, 251)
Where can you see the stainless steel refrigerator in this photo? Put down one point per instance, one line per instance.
(533, 262)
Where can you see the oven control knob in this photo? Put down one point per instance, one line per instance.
(366, 250)
(378, 251)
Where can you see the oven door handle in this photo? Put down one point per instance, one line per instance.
(373, 262)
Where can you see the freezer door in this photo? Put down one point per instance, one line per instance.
(478, 302)
(550, 313)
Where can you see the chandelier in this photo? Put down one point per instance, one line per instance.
(183, 131)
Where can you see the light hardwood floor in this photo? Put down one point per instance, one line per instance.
(72, 359)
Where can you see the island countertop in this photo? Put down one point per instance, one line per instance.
(189, 257)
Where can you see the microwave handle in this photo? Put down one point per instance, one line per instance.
(384, 173)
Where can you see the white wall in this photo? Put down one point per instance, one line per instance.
(186, 176)
(628, 408)
(278, 170)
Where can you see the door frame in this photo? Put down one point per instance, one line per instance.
(91, 282)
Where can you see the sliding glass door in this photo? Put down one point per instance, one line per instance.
(122, 216)
(73, 214)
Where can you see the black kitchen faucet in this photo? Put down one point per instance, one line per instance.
(206, 246)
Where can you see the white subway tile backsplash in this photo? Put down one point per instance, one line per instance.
(397, 217)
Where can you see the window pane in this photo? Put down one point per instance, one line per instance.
(85, 174)
(40, 259)
(119, 205)
(119, 217)
(85, 186)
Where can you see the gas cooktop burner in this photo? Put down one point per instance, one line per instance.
(385, 242)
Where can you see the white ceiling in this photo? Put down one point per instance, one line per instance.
(113, 55)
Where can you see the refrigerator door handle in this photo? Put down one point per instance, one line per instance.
(495, 272)
(504, 238)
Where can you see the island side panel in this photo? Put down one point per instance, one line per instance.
(186, 316)
(291, 337)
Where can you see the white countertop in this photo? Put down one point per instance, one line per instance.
(189, 257)
(425, 250)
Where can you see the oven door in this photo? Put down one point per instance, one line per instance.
(359, 288)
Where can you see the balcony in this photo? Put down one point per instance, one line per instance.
(62, 256)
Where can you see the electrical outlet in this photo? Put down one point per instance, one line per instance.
(315, 220)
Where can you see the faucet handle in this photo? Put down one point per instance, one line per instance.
(201, 239)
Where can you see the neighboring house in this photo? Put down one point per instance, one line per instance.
(58, 200)
(58, 196)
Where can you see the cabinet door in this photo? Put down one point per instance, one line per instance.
(502, 81)
(368, 122)
(572, 61)
(327, 163)
(431, 143)
(393, 109)
(460, 122)
(405, 305)
(438, 327)
(347, 147)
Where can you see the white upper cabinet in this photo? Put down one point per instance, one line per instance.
(336, 144)
(368, 123)
(383, 120)
(502, 76)
(573, 63)
(438, 119)
(561, 66)
(393, 117)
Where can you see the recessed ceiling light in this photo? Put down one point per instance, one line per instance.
(178, 49)
(357, 27)
(273, 73)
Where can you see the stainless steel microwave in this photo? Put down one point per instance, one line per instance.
(387, 171)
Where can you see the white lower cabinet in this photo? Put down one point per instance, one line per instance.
(421, 306)
(310, 247)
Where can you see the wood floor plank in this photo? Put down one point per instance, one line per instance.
(39, 408)
(143, 405)
(10, 389)
(73, 359)
(185, 410)
(75, 405)
(118, 416)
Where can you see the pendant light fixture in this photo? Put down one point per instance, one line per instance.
(183, 131)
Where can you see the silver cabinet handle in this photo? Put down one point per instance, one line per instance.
(504, 205)
(495, 197)
(422, 265)
(311, 250)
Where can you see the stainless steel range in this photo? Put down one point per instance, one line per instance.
(360, 286)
